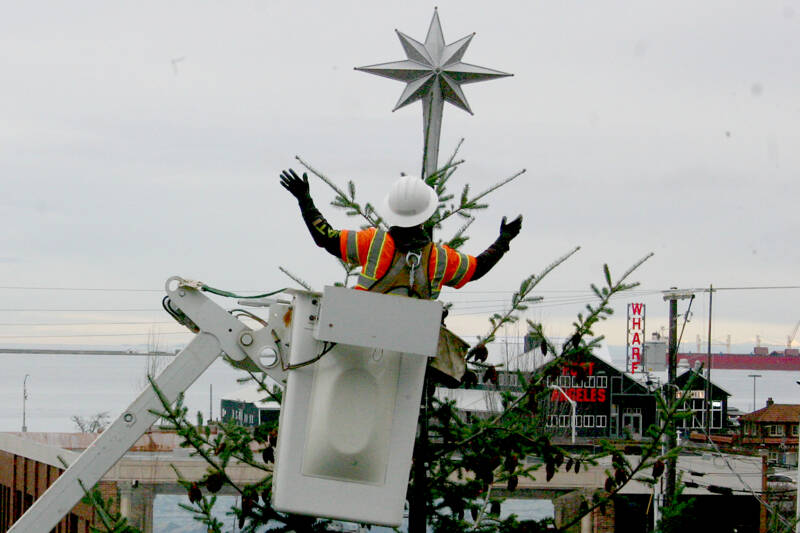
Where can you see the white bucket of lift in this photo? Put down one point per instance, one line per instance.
(348, 421)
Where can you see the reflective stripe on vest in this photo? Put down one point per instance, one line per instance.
(379, 259)
(437, 265)
(461, 271)
(351, 248)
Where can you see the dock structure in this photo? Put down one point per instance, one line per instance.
(31, 462)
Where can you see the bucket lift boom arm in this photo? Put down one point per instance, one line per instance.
(219, 332)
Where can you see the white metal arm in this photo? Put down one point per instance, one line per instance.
(219, 331)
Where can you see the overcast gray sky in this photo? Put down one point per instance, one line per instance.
(144, 140)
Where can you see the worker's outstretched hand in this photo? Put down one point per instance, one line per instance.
(510, 230)
(295, 184)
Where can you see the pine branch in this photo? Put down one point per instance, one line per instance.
(369, 213)
(350, 271)
(455, 152)
(177, 417)
(113, 522)
(296, 279)
(521, 297)
(483, 508)
(260, 381)
(458, 239)
(472, 203)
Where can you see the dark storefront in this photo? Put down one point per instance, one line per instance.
(609, 403)
(243, 413)
(695, 402)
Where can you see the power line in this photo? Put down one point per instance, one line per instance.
(756, 288)
(50, 351)
(43, 310)
(37, 324)
(95, 289)
(91, 335)
(98, 289)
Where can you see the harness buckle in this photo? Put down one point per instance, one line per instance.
(413, 260)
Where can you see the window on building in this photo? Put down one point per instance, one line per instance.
(795, 431)
(552, 420)
(716, 414)
(697, 407)
(578, 421)
(775, 430)
(588, 421)
(72, 523)
(600, 421)
(564, 381)
(563, 421)
(17, 504)
(5, 508)
(602, 382)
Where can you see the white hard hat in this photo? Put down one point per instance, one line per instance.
(409, 202)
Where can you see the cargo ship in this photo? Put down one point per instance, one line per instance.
(761, 359)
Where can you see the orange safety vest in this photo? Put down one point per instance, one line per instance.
(385, 270)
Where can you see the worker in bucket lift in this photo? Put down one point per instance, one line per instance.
(404, 260)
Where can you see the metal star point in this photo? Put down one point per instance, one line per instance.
(432, 66)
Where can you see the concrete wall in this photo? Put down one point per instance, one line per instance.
(575, 503)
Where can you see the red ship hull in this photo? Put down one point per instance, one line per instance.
(743, 361)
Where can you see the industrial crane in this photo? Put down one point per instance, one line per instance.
(792, 335)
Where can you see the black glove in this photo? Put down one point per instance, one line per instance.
(510, 230)
(296, 185)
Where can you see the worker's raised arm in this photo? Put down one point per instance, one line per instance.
(322, 233)
(489, 258)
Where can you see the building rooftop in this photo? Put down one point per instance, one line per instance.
(774, 412)
(147, 461)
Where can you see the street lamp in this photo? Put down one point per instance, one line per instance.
(797, 496)
(754, 376)
(572, 405)
(24, 399)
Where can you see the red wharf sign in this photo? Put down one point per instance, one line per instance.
(635, 338)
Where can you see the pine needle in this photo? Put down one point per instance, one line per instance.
(297, 280)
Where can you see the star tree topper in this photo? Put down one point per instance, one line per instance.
(434, 74)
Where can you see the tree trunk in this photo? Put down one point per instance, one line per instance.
(417, 508)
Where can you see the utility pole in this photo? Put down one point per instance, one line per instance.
(754, 376)
(672, 355)
(797, 497)
(708, 367)
(672, 296)
(24, 399)
(417, 512)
